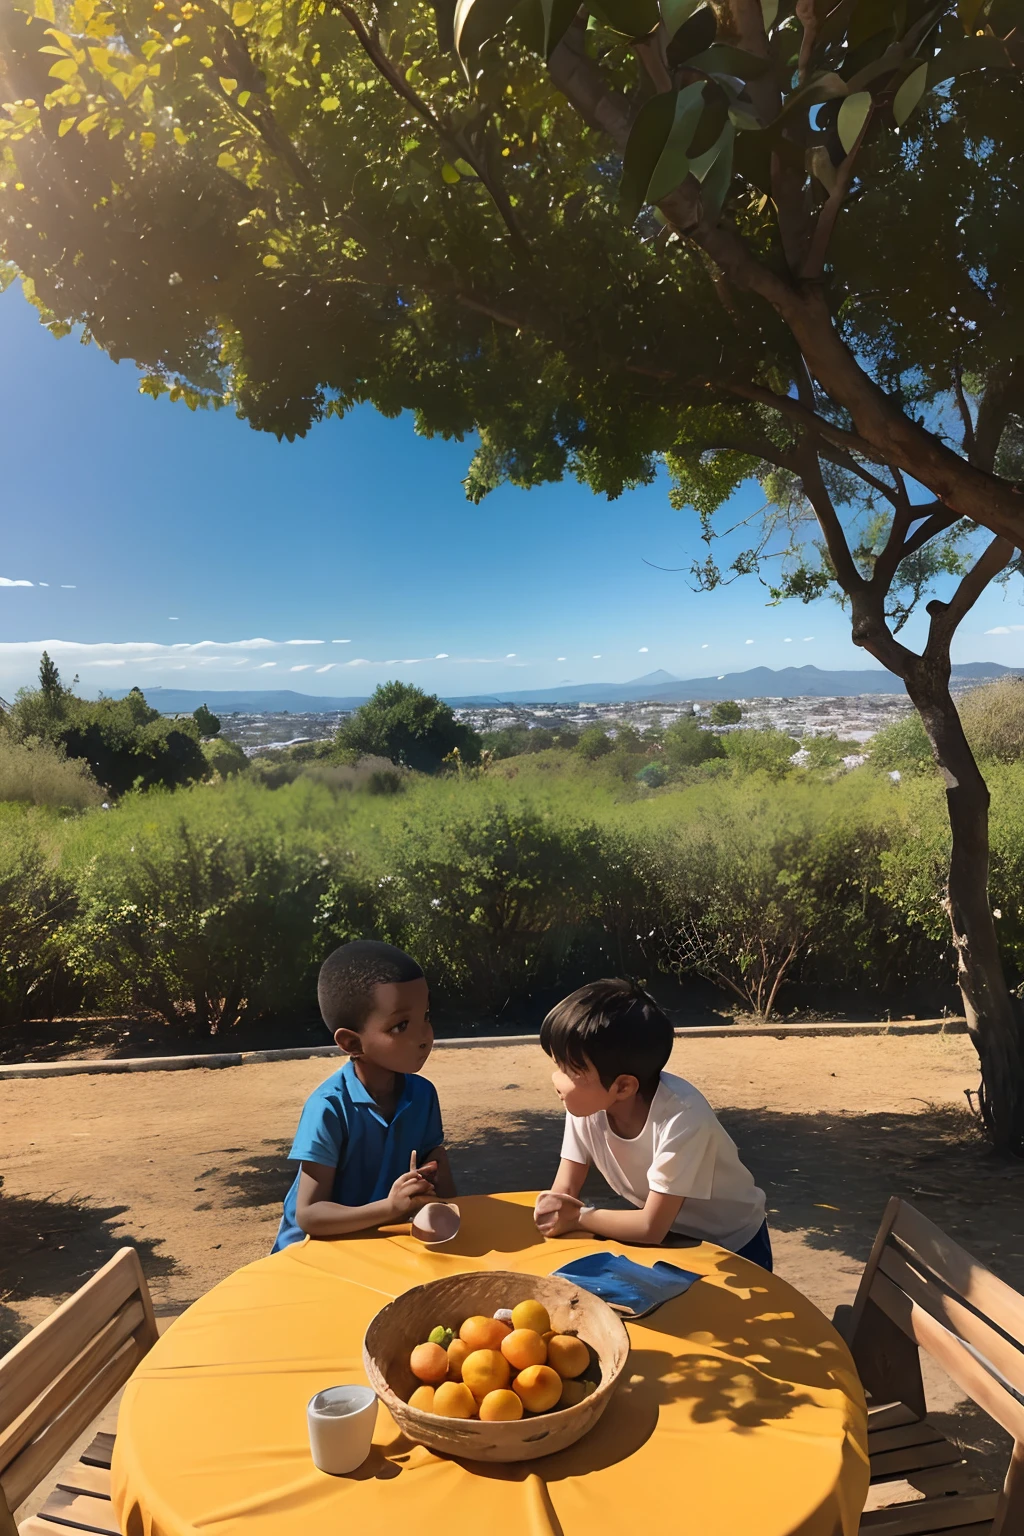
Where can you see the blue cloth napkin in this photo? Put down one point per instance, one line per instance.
(634, 1290)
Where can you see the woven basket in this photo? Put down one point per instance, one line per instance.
(407, 1320)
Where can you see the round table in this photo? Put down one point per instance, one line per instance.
(739, 1412)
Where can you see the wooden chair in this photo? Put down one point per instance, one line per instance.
(55, 1382)
(919, 1291)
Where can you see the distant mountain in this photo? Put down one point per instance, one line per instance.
(659, 687)
(757, 683)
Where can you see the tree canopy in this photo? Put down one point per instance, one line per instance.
(126, 744)
(413, 728)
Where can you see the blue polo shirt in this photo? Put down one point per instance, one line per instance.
(341, 1124)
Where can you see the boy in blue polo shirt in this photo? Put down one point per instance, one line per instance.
(369, 1145)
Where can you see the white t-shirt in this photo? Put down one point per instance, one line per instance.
(682, 1150)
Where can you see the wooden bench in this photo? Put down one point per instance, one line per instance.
(920, 1291)
(52, 1386)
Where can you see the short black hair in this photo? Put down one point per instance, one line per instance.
(616, 1027)
(348, 976)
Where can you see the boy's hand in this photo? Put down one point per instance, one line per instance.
(554, 1214)
(411, 1190)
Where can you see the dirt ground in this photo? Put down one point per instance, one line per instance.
(192, 1166)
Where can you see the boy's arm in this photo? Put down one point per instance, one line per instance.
(443, 1182)
(320, 1216)
(651, 1224)
(570, 1178)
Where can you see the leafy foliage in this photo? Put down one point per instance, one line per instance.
(125, 743)
(409, 727)
(726, 712)
(993, 718)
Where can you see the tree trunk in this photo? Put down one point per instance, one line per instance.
(993, 1018)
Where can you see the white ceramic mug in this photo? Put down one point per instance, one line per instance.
(341, 1421)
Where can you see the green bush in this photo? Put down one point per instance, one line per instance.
(206, 907)
(594, 742)
(37, 774)
(765, 751)
(410, 727)
(686, 745)
(993, 718)
(726, 712)
(902, 747)
(491, 894)
(34, 901)
(224, 757)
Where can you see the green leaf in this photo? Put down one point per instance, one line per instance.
(717, 179)
(243, 97)
(972, 53)
(675, 12)
(464, 168)
(242, 12)
(44, 10)
(66, 124)
(330, 104)
(724, 59)
(853, 114)
(476, 21)
(633, 18)
(450, 174)
(655, 159)
(909, 94)
(694, 37)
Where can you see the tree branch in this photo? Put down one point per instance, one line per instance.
(456, 142)
(946, 616)
(807, 418)
(964, 409)
(847, 574)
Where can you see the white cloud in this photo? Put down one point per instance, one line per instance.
(172, 618)
(306, 666)
(721, 677)
(328, 667)
(263, 664)
(788, 640)
(5, 581)
(597, 657)
(341, 642)
(441, 656)
(119, 663)
(510, 655)
(1005, 629)
(65, 586)
(44, 583)
(808, 638)
(748, 642)
(305, 642)
(705, 645)
(643, 650)
(561, 658)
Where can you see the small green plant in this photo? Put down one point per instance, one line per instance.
(726, 712)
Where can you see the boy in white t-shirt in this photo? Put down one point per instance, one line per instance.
(653, 1136)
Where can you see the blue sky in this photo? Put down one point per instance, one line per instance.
(156, 530)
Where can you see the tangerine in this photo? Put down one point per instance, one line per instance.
(501, 1405)
(429, 1362)
(454, 1400)
(484, 1332)
(457, 1352)
(524, 1347)
(485, 1370)
(530, 1314)
(423, 1398)
(574, 1392)
(539, 1387)
(569, 1355)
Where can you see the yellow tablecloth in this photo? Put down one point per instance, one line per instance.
(739, 1413)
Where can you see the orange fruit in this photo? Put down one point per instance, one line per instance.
(457, 1352)
(569, 1355)
(539, 1387)
(423, 1398)
(497, 1406)
(530, 1314)
(429, 1362)
(485, 1370)
(574, 1392)
(454, 1400)
(524, 1347)
(483, 1332)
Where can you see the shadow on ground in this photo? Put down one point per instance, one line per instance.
(50, 1246)
(829, 1176)
(264, 1179)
